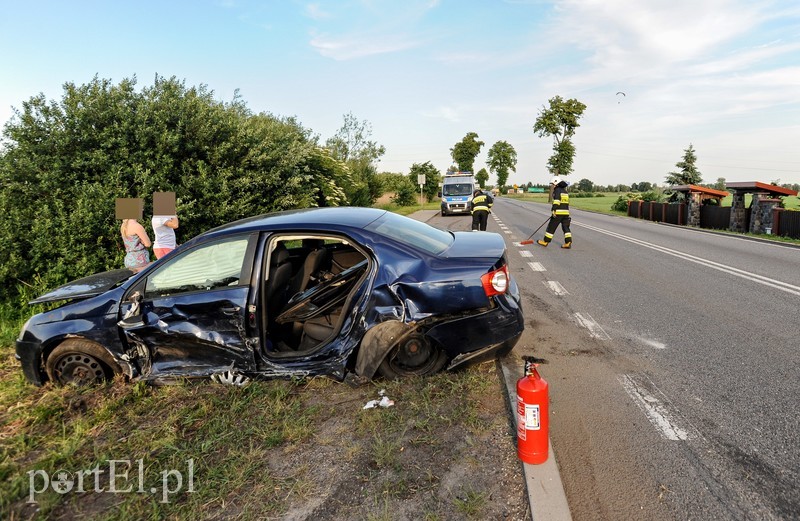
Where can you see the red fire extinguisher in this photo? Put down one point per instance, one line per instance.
(532, 415)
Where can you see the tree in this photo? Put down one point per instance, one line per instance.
(584, 185)
(501, 158)
(560, 121)
(465, 151)
(720, 184)
(405, 195)
(688, 174)
(432, 178)
(352, 146)
(63, 164)
(481, 177)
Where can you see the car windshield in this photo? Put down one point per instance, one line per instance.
(412, 232)
(457, 189)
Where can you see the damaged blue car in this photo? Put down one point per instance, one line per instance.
(343, 292)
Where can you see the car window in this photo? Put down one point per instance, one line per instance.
(412, 232)
(206, 267)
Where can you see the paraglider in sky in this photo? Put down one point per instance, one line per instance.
(623, 95)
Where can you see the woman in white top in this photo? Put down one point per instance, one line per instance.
(164, 227)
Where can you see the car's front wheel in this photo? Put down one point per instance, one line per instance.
(415, 356)
(80, 362)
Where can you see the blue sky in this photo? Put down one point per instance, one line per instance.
(722, 75)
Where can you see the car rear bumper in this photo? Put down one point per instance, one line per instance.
(481, 336)
(28, 353)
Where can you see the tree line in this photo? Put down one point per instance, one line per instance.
(64, 163)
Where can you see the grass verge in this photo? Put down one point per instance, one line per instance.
(266, 450)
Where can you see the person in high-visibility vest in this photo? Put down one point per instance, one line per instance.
(559, 214)
(480, 206)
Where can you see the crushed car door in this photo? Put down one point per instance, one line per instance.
(191, 318)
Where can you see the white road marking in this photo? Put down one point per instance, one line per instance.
(555, 287)
(777, 284)
(526, 253)
(653, 343)
(537, 266)
(594, 328)
(655, 411)
(507, 231)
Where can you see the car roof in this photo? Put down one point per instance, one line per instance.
(330, 218)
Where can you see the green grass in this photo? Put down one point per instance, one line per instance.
(227, 435)
(596, 204)
(408, 210)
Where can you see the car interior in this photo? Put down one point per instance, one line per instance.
(308, 282)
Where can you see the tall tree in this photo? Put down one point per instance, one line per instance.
(688, 174)
(585, 185)
(351, 144)
(481, 177)
(432, 178)
(560, 120)
(465, 151)
(501, 158)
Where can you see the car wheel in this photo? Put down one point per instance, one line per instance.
(413, 357)
(80, 362)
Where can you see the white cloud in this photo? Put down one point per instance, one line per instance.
(316, 12)
(359, 45)
(445, 113)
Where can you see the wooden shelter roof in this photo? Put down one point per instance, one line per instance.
(711, 192)
(755, 186)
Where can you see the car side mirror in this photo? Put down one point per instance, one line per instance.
(440, 193)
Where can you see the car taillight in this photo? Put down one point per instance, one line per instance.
(495, 282)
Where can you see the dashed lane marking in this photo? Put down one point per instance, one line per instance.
(555, 287)
(653, 408)
(537, 266)
(585, 320)
(526, 253)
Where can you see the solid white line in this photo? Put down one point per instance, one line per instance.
(536, 266)
(655, 411)
(555, 287)
(525, 253)
(594, 328)
(777, 284)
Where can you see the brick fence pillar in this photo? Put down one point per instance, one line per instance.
(738, 212)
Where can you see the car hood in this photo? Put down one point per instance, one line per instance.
(86, 287)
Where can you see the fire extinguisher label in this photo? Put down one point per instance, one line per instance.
(528, 418)
(532, 422)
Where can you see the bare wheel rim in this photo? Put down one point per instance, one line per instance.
(414, 356)
(79, 368)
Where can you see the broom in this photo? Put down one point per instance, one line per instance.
(529, 240)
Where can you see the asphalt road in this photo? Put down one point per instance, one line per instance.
(672, 356)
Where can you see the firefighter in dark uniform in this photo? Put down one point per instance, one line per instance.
(480, 206)
(559, 214)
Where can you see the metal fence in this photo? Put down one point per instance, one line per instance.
(672, 213)
(715, 217)
(787, 223)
